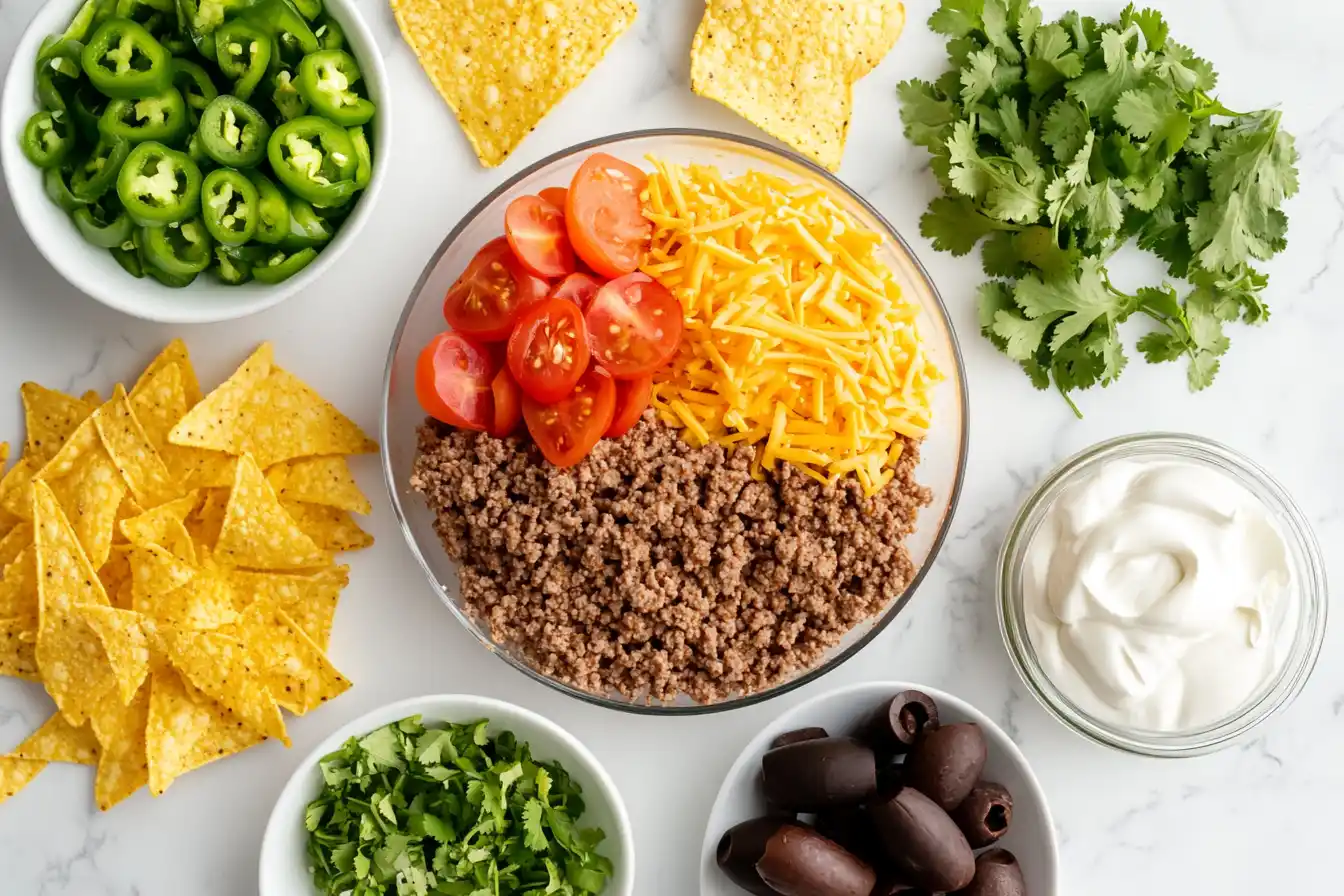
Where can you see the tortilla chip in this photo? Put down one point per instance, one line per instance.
(155, 573)
(187, 730)
(131, 450)
(18, 649)
(51, 417)
(173, 354)
(204, 603)
(290, 420)
(296, 671)
(867, 30)
(19, 538)
(69, 653)
(89, 489)
(205, 524)
(18, 588)
(159, 401)
(319, 480)
(124, 643)
(117, 577)
(15, 774)
(329, 528)
(223, 669)
(257, 532)
(501, 66)
(16, 492)
(219, 421)
(123, 767)
(59, 741)
(309, 599)
(165, 526)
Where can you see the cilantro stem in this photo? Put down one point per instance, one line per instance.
(1067, 400)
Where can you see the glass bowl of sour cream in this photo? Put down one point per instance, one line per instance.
(1162, 594)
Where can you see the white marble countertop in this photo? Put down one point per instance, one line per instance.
(1255, 818)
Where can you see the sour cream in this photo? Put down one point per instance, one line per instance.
(1159, 594)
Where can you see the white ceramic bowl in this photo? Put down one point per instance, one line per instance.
(93, 270)
(284, 860)
(1031, 836)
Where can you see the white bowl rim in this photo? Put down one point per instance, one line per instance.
(16, 105)
(788, 720)
(431, 706)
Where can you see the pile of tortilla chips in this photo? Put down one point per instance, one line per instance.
(167, 568)
(789, 66)
(502, 65)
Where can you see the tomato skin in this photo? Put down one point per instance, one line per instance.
(536, 233)
(567, 430)
(493, 290)
(632, 397)
(452, 381)
(508, 404)
(556, 196)
(634, 326)
(578, 288)
(548, 351)
(605, 216)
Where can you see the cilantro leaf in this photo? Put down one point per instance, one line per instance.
(1154, 115)
(1052, 59)
(1076, 302)
(986, 74)
(927, 115)
(957, 18)
(1149, 22)
(954, 225)
(999, 22)
(1064, 129)
(1099, 90)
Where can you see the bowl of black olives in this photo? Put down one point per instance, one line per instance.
(880, 789)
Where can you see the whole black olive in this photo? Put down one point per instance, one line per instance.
(742, 847)
(901, 720)
(798, 736)
(996, 874)
(800, 862)
(946, 763)
(812, 775)
(985, 815)
(850, 827)
(922, 842)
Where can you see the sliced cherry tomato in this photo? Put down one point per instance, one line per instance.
(605, 217)
(555, 196)
(548, 350)
(578, 288)
(494, 289)
(508, 404)
(452, 381)
(632, 397)
(536, 233)
(634, 326)
(567, 430)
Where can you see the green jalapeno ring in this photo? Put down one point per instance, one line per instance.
(181, 249)
(325, 80)
(197, 88)
(129, 259)
(103, 234)
(57, 188)
(330, 34)
(124, 61)
(234, 264)
(244, 53)
(58, 71)
(272, 209)
(229, 206)
(158, 185)
(173, 281)
(309, 9)
(90, 15)
(285, 24)
(363, 157)
(233, 133)
(314, 159)
(279, 266)
(285, 95)
(307, 229)
(99, 171)
(162, 118)
(87, 106)
(47, 139)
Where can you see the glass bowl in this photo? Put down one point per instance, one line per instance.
(943, 451)
(1308, 573)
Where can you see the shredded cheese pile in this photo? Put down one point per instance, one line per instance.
(798, 339)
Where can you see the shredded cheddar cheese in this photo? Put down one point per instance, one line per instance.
(797, 339)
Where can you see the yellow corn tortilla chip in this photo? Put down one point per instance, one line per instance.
(59, 741)
(92, 397)
(16, 774)
(165, 526)
(309, 599)
(867, 29)
(7, 519)
(187, 729)
(123, 767)
(18, 588)
(329, 528)
(319, 480)
(13, 544)
(116, 576)
(51, 417)
(501, 66)
(206, 602)
(155, 573)
(291, 420)
(219, 422)
(124, 643)
(131, 451)
(69, 654)
(89, 489)
(173, 354)
(16, 491)
(257, 532)
(18, 649)
(296, 671)
(160, 402)
(224, 669)
(205, 524)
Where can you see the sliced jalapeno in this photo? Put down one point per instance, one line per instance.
(281, 20)
(98, 172)
(182, 249)
(90, 15)
(124, 61)
(104, 227)
(307, 230)
(57, 187)
(234, 264)
(309, 9)
(159, 185)
(278, 266)
(196, 152)
(58, 70)
(285, 95)
(330, 35)
(325, 80)
(162, 118)
(314, 159)
(174, 281)
(272, 209)
(243, 52)
(229, 204)
(233, 133)
(47, 139)
(87, 106)
(129, 259)
(363, 157)
(197, 88)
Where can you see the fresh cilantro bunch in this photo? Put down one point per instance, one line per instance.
(1057, 144)
(413, 810)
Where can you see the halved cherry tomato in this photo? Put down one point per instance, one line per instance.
(508, 404)
(605, 217)
(634, 326)
(555, 196)
(632, 397)
(452, 381)
(578, 288)
(488, 297)
(566, 430)
(536, 233)
(548, 350)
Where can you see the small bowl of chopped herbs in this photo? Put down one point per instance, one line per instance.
(449, 795)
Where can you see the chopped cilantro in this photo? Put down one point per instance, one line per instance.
(447, 810)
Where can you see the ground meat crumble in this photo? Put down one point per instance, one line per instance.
(656, 569)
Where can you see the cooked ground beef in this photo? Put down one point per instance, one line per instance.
(656, 569)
